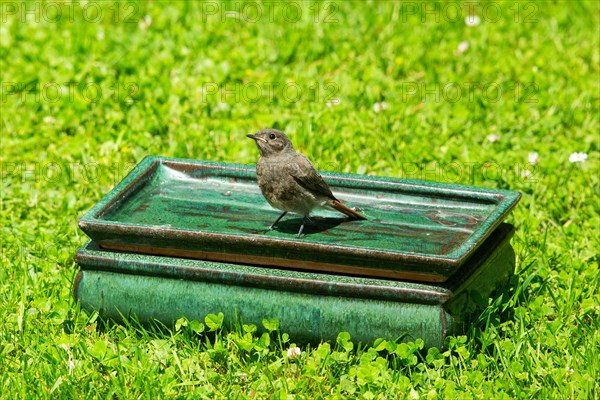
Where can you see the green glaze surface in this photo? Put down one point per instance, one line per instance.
(310, 306)
(92, 256)
(305, 316)
(423, 228)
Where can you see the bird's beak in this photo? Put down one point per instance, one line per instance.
(255, 137)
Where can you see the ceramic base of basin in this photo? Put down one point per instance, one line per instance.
(310, 306)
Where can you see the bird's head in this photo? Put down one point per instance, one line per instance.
(271, 142)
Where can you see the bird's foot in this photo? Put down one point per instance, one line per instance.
(304, 221)
(277, 220)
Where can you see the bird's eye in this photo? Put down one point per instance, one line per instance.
(272, 136)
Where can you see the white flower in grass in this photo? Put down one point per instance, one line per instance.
(333, 102)
(492, 137)
(462, 47)
(472, 20)
(49, 120)
(533, 157)
(145, 23)
(221, 106)
(294, 352)
(569, 371)
(100, 34)
(378, 107)
(577, 157)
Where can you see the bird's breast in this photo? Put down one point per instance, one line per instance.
(280, 189)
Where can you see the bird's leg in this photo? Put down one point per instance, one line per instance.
(277, 220)
(304, 221)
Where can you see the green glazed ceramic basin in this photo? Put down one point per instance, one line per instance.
(416, 230)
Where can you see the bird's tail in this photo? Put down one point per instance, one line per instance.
(337, 205)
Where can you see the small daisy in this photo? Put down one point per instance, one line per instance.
(332, 102)
(145, 23)
(462, 47)
(221, 106)
(100, 34)
(492, 137)
(533, 157)
(577, 157)
(49, 120)
(294, 352)
(472, 20)
(378, 107)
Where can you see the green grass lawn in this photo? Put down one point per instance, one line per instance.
(402, 89)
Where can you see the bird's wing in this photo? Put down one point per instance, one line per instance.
(305, 174)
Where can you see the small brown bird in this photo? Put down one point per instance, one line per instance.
(289, 181)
